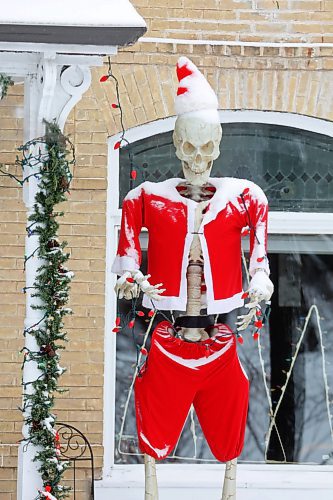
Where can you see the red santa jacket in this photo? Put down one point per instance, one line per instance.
(237, 204)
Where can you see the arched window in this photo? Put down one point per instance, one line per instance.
(291, 158)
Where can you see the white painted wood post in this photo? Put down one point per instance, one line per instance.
(51, 91)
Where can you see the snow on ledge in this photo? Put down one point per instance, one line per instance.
(115, 13)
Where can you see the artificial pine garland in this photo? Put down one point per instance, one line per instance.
(5, 82)
(51, 287)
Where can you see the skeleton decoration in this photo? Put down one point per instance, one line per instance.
(202, 272)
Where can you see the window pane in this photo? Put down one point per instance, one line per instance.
(294, 167)
(302, 272)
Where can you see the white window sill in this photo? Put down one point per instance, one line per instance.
(198, 482)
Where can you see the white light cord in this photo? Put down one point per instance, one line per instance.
(263, 371)
(193, 431)
(123, 418)
(288, 375)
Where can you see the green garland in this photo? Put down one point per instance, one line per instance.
(5, 82)
(51, 287)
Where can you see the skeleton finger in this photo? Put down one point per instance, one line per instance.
(252, 305)
(243, 326)
(123, 278)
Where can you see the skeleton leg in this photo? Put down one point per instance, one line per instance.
(151, 490)
(229, 483)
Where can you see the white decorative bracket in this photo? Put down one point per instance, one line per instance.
(51, 92)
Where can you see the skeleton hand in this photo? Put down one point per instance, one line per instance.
(129, 285)
(260, 288)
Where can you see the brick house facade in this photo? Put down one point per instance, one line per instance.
(292, 79)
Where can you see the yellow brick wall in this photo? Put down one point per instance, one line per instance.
(250, 20)
(297, 80)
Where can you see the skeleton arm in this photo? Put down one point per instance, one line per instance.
(260, 287)
(128, 259)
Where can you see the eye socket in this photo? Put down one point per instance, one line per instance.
(207, 148)
(188, 148)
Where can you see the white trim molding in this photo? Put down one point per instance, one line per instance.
(235, 43)
(195, 482)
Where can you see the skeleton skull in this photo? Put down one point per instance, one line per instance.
(197, 146)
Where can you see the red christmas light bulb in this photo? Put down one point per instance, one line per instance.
(114, 105)
(255, 335)
(151, 313)
(104, 78)
(258, 324)
(117, 145)
(130, 280)
(140, 313)
(131, 323)
(144, 351)
(246, 190)
(258, 313)
(118, 320)
(240, 339)
(134, 175)
(116, 329)
(48, 489)
(245, 295)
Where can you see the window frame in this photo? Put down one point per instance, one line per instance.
(302, 223)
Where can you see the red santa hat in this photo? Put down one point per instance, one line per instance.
(194, 94)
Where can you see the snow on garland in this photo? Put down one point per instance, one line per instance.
(51, 288)
(5, 82)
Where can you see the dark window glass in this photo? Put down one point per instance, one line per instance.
(292, 166)
(302, 272)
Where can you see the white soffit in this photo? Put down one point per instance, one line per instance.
(71, 12)
(93, 23)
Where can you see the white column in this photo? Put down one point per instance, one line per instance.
(51, 91)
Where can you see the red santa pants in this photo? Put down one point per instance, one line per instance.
(208, 375)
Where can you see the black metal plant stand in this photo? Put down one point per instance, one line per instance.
(75, 447)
